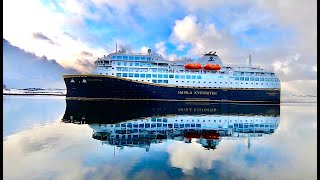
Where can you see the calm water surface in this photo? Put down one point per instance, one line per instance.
(51, 138)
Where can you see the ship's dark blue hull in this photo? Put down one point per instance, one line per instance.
(109, 87)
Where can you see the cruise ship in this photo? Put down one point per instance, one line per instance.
(148, 76)
(206, 123)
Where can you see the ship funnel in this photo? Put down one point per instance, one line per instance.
(249, 60)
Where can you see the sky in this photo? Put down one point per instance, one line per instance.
(280, 35)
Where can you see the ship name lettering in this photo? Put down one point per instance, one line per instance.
(184, 92)
(205, 93)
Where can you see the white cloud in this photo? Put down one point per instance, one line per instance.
(144, 49)
(161, 48)
(21, 22)
(201, 36)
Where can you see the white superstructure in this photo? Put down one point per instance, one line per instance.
(153, 68)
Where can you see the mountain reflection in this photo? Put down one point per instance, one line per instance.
(140, 124)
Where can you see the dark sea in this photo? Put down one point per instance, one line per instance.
(48, 137)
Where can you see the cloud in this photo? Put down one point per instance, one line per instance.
(85, 65)
(161, 48)
(265, 29)
(41, 36)
(86, 54)
(144, 49)
(36, 72)
(201, 36)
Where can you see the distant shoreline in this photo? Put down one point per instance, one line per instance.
(30, 94)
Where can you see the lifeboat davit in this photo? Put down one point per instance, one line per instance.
(212, 67)
(193, 66)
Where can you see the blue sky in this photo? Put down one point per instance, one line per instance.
(274, 32)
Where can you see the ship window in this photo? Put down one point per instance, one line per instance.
(159, 81)
(165, 76)
(113, 57)
(241, 78)
(246, 79)
(148, 58)
(131, 58)
(159, 75)
(256, 79)
(171, 76)
(266, 79)
(251, 79)
(154, 81)
(194, 76)
(143, 58)
(199, 77)
(130, 74)
(166, 81)
(136, 75)
(136, 58)
(125, 57)
(188, 77)
(236, 78)
(125, 74)
(261, 79)
(119, 57)
(154, 75)
(176, 76)
(119, 63)
(182, 76)
(148, 75)
(118, 74)
(142, 75)
(125, 63)
(272, 80)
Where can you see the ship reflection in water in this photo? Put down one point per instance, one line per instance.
(141, 124)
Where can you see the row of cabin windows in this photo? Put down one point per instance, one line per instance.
(236, 73)
(133, 64)
(165, 120)
(256, 79)
(143, 58)
(176, 125)
(143, 75)
(153, 125)
(221, 82)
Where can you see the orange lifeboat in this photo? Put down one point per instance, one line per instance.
(193, 66)
(190, 135)
(214, 67)
(211, 135)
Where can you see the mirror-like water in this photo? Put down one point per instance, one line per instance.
(54, 138)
